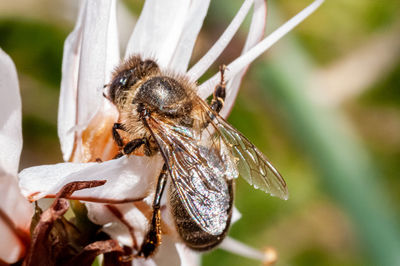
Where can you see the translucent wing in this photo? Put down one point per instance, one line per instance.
(253, 166)
(203, 157)
(199, 173)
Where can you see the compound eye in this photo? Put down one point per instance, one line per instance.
(116, 87)
(123, 81)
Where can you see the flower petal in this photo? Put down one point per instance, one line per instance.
(187, 256)
(171, 253)
(127, 221)
(15, 217)
(128, 179)
(158, 30)
(86, 68)
(236, 215)
(245, 59)
(10, 116)
(144, 262)
(11, 247)
(124, 222)
(97, 61)
(96, 141)
(67, 106)
(256, 32)
(130, 221)
(239, 248)
(194, 20)
(206, 61)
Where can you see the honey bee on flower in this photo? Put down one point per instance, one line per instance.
(202, 153)
(154, 107)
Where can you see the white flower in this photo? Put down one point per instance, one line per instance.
(166, 31)
(15, 210)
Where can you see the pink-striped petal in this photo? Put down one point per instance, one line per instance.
(244, 60)
(158, 30)
(128, 179)
(10, 116)
(209, 58)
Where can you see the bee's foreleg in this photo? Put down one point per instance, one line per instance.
(116, 136)
(153, 237)
(219, 92)
(133, 145)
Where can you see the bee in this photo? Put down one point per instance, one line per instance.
(160, 112)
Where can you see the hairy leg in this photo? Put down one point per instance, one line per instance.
(153, 237)
(132, 145)
(219, 92)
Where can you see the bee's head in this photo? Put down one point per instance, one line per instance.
(120, 84)
(126, 76)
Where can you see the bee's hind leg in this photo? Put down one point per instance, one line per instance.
(153, 237)
(219, 92)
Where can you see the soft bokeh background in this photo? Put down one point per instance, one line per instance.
(323, 105)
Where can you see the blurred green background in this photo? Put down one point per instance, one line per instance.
(323, 104)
